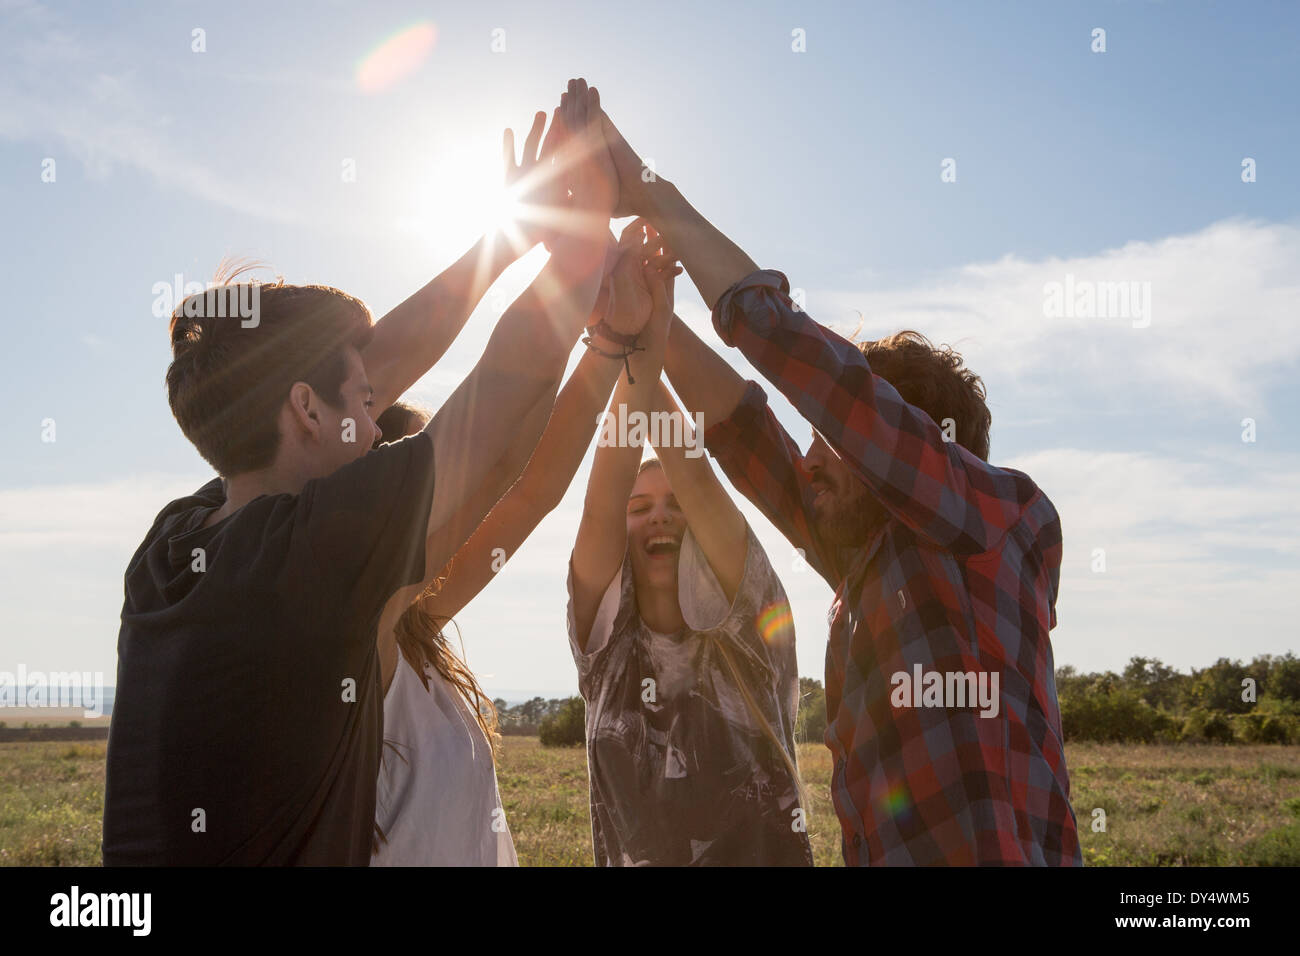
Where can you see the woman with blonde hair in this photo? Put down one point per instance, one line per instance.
(685, 650)
(437, 801)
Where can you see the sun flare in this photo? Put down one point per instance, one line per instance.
(464, 197)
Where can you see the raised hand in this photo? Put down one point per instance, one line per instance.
(633, 175)
(594, 181)
(535, 181)
(630, 299)
(660, 270)
(642, 276)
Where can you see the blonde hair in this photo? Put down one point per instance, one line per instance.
(790, 759)
(419, 631)
(421, 639)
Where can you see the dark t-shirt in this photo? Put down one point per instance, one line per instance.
(248, 719)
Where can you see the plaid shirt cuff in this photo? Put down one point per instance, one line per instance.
(738, 302)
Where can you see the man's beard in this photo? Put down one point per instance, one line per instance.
(850, 519)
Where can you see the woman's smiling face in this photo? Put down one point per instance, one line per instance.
(655, 527)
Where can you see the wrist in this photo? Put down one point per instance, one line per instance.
(595, 200)
(500, 252)
(657, 199)
(599, 335)
(580, 251)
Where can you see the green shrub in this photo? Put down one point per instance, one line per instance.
(1108, 713)
(567, 727)
(1280, 847)
(1265, 729)
(1206, 726)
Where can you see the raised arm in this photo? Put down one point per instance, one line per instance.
(934, 486)
(526, 353)
(712, 516)
(538, 491)
(758, 456)
(410, 339)
(713, 261)
(602, 533)
(704, 380)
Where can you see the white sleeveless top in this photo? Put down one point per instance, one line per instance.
(436, 799)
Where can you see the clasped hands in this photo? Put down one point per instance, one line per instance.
(567, 187)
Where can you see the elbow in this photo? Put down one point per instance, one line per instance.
(536, 503)
(542, 501)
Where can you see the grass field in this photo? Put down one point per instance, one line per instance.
(1183, 805)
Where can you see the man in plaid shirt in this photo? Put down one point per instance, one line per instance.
(945, 568)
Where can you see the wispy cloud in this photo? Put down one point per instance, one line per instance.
(58, 88)
(1222, 322)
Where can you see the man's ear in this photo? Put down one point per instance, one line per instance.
(304, 408)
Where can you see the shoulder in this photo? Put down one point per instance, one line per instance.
(408, 458)
(178, 516)
(210, 495)
(704, 603)
(612, 613)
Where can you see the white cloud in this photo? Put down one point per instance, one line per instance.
(1202, 559)
(72, 515)
(1222, 318)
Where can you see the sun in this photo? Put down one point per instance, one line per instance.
(462, 195)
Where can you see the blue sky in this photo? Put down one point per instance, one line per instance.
(1117, 166)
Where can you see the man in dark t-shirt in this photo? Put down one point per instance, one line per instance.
(251, 644)
(248, 717)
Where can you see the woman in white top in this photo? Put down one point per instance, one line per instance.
(436, 798)
(437, 801)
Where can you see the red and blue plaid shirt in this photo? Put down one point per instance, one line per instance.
(961, 579)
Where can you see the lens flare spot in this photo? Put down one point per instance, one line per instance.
(396, 58)
(776, 622)
(896, 802)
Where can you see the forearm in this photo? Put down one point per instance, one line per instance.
(534, 337)
(713, 261)
(602, 532)
(901, 455)
(613, 469)
(702, 377)
(521, 366)
(410, 339)
(506, 523)
(712, 516)
(500, 479)
(576, 414)
(616, 462)
(688, 474)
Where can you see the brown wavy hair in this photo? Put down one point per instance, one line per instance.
(934, 379)
(420, 633)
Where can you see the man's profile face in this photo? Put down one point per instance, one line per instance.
(846, 513)
(343, 442)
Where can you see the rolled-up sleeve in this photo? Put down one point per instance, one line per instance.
(934, 486)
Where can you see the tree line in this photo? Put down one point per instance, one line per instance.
(1148, 702)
